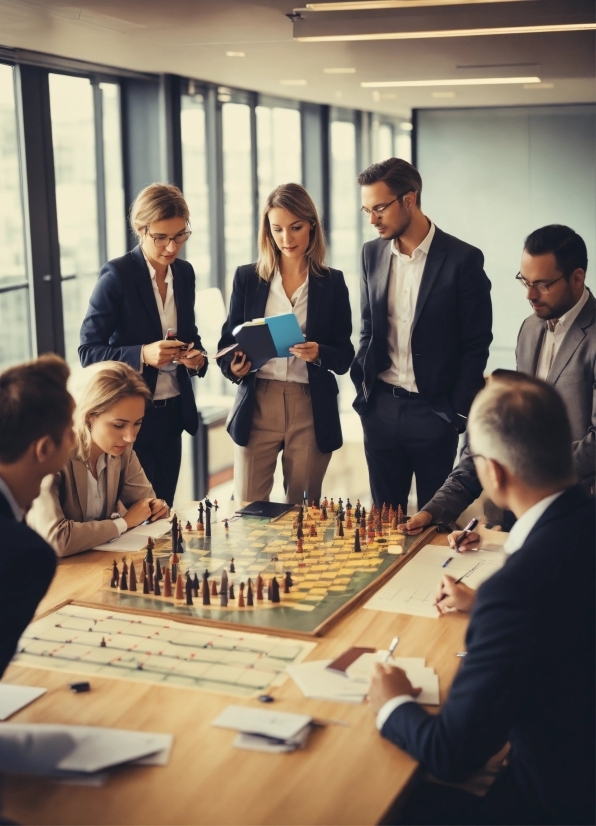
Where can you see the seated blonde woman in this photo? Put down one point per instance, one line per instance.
(102, 491)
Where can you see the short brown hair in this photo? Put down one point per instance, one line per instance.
(34, 402)
(399, 175)
(157, 202)
(295, 199)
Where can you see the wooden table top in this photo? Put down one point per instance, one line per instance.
(346, 775)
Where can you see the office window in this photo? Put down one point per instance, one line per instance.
(403, 144)
(194, 173)
(238, 197)
(384, 142)
(115, 204)
(344, 208)
(15, 341)
(279, 148)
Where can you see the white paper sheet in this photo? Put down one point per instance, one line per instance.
(136, 538)
(420, 675)
(278, 724)
(15, 697)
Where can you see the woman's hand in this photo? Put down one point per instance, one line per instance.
(309, 351)
(138, 513)
(454, 595)
(162, 352)
(159, 509)
(239, 367)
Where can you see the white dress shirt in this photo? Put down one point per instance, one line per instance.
(96, 496)
(16, 509)
(404, 285)
(556, 330)
(286, 369)
(167, 382)
(517, 536)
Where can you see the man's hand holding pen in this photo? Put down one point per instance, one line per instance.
(453, 594)
(387, 682)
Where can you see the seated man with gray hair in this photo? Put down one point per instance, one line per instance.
(528, 677)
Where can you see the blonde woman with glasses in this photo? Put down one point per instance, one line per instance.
(290, 404)
(102, 490)
(139, 301)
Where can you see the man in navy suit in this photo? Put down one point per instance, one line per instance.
(425, 334)
(35, 440)
(528, 677)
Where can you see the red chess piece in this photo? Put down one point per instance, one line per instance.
(299, 546)
(213, 588)
(349, 521)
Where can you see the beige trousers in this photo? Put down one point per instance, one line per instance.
(282, 421)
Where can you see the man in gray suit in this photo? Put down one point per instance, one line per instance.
(558, 344)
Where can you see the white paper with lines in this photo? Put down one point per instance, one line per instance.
(413, 589)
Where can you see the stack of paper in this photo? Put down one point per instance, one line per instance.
(316, 681)
(136, 539)
(261, 730)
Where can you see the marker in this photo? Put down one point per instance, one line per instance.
(392, 648)
(447, 561)
(466, 532)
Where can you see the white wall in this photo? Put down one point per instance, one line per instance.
(491, 176)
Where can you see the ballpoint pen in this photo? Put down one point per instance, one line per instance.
(392, 648)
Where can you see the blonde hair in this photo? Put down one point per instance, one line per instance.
(157, 202)
(295, 199)
(114, 382)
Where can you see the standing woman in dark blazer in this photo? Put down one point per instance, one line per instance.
(290, 404)
(136, 300)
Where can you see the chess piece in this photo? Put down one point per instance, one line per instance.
(340, 528)
(200, 527)
(226, 526)
(348, 505)
(357, 510)
(174, 560)
(149, 554)
(156, 588)
(357, 547)
(223, 598)
(215, 505)
(174, 533)
(145, 579)
(188, 526)
(349, 522)
(288, 582)
(195, 585)
(259, 588)
(299, 549)
(275, 590)
(270, 590)
(181, 545)
(179, 592)
(241, 603)
(150, 576)
(400, 516)
(323, 513)
(300, 532)
(123, 580)
(223, 585)
(167, 583)
(205, 589)
(213, 588)
(331, 506)
(249, 594)
(115, 576)
(208, 523)
(313, 530)
(124, 565)
(232, 566)
(188, 589)
(132, 584)
(231, 589)
(158, 573)
(102, 644)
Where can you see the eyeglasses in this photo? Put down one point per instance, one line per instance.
(163, 240)
(541, 286)
(379, 210)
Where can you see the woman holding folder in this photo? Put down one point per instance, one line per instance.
(102, 491)
(289, 404)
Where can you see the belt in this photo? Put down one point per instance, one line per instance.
(166, 402)
(398, 392)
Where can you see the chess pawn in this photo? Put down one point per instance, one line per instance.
(124, 565)
(299, 549)
(208, 523)
(205, 590)
(123, 581)
(313, 530)
(156, 588)
(195, 585)
(149, 554)
(231, 590)
(179, 593)
(275, 590)
(167, 583)
(188, 590)
(102, 644)
(357, 547)
(270, 590)
(115, 576)
(249, 594)
(188, 526)
(158, 573)
(241, 603)
(349, 521)
(200, 527)
(331, 505)
(259, 588)
(132, 585)
(213, 588)
(232, 566)
(288, 582)
(323, 513)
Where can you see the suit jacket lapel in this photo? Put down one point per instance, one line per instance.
(318, 288)
(434, 261)
(530, 345)
(572, 340)
(380, 287)
(112, 479)
(79, 474)
(143, 282)
(259, 299)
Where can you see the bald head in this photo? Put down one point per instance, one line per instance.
(521, 423)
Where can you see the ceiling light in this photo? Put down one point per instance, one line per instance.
(293, 82)
(460, 81)
(339, 71)
(446, 94)
(369, 5)
(563, 27)
(235, 54)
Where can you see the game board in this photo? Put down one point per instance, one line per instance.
(157, 650)
(328, 576)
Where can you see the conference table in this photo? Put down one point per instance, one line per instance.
(347, 774)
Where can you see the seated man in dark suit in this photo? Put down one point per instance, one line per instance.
(528, 677)
(556, 343)
(35, 439)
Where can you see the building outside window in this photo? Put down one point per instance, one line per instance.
(194, 175)
(279, 148)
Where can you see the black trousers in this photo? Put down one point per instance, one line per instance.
(159, 447)
(404, 437)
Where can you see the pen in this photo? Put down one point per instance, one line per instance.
(466, 574)
(392, 648)
(466, 532)
(447, 561)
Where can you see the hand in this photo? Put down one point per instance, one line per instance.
(388, 682)
(239, 367)
(140, 512)
(193, 359)
(416, 523)
(159, 509)
(162, 352)
(472, 539)
(454, 595)
(309, 351)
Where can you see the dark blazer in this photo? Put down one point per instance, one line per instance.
(328, 322)
(27, 565)
(123, 315)
(528, 676)
(451, 332)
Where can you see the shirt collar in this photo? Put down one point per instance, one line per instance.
(277, 282)
(16, 509)
(152, 270)
(524, 525)
(423, 246)
(569, 317)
